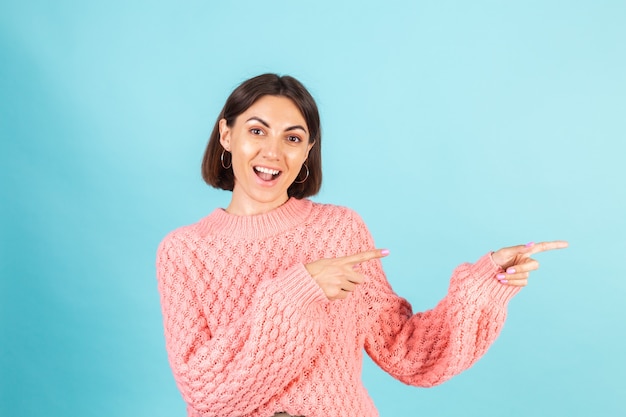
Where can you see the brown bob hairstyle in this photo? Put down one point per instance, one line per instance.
(244, 96)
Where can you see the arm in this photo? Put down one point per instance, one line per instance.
(231, 372)
(426, 349)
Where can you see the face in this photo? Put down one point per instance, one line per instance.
(268, 143)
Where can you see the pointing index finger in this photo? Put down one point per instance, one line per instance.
(546, 246)
(358, 258)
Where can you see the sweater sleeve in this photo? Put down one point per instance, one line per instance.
(233, 372)
(428, 348)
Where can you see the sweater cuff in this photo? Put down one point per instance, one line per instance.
(487, 287)
(298, 286)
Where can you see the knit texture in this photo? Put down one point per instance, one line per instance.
(249, 333)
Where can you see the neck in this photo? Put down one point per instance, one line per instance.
(241, 205)
(291, 214)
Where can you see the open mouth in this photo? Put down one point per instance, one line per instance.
(266, 174)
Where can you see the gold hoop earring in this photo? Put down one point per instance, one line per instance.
(222, 160)
(306, 176)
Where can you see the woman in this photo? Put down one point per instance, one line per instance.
(269, 303)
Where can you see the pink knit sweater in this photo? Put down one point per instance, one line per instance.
(249, 333)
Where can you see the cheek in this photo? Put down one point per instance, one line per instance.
(243, 150)
(298, 156)
(296, 161)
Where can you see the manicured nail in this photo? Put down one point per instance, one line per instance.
(500, 277)
(503, 281)
(385, 252)
(510, 270)
(530, 244)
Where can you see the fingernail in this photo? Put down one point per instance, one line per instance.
(500, 277)
(510, 270)
(503, 281)
(529, 244)
(385, 252)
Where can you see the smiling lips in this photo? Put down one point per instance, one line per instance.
(266, 174)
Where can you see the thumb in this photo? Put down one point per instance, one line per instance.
(505, 255)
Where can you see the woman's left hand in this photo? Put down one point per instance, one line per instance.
(517, 261)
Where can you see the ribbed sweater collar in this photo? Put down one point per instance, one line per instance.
(282, 218)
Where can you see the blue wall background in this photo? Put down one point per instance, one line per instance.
(453, 127)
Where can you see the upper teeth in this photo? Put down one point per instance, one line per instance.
(267, 170)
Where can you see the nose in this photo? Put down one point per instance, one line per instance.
(271, 147)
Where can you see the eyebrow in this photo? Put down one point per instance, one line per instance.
(264, 123)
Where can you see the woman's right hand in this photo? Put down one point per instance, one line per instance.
(338, 277)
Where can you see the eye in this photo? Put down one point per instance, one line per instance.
(294, 139)
(256, 131)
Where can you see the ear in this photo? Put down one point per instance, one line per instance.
(309, 150)
(224, 134)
